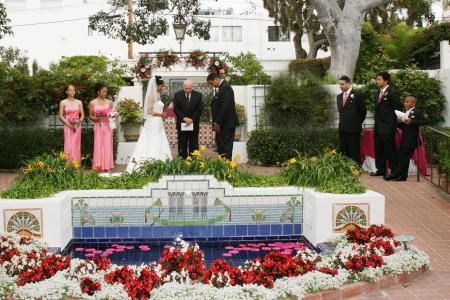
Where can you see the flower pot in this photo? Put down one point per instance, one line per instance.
(131, 132)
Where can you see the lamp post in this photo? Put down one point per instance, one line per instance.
(180, 31)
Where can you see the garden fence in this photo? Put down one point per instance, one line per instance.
(437, 150)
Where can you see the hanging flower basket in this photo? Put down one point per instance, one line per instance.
(197, 59)
(166, 59)
(143, 68)
(217, 66)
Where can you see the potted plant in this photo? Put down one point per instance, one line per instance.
(130, 118)
(240, 111)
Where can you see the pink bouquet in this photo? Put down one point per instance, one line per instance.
(101, 113)
(74, 120)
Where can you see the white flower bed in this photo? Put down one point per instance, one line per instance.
(178, 285)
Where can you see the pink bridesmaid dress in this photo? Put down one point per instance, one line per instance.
(72, 137)
(103, 142)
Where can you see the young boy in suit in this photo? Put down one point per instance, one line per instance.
(410, 138)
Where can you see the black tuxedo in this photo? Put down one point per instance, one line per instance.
(224, 114)
(191, 108)
(351, 117)
(410, 141)
(385, 129)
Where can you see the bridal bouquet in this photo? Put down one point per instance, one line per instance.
(74, 121)
(112, 115)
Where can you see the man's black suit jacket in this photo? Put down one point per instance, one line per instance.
(353, 113)
(410, 132)
(385, 118)
(223, 107)
(192, 109)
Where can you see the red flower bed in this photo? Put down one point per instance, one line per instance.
(45, 269)
(363, 236)
(89, 286)
(191, 261)
(138, 287)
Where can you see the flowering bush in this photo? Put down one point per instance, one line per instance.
(143, 68)
(330, 172)
(197, 59)
(217, 66)
(27, 271)
(166, 59)
(130, 112)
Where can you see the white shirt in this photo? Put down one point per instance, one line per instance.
(384, 90)
(347, 92)
(409, 111)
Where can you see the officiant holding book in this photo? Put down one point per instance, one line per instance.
(188, 107)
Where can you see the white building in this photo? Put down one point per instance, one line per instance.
(50, 29)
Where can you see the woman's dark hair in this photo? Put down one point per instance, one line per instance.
(385, 75)
(68, 86)
(159, 80)
(99, 86)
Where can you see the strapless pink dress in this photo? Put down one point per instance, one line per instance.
(103, 142)
(72, 137)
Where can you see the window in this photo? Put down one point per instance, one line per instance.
(51, 5)
(92, 32)
(232, 33)
(277, 35)
(16, 5)
(214, 34)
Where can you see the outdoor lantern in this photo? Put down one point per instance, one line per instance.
(180, 31)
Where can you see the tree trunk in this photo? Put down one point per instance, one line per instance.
(343, 31)
(299, 51)
(130, 25)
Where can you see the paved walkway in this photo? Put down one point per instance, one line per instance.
(411, 208)
(419, 209)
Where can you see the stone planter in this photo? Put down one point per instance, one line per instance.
(131, 132)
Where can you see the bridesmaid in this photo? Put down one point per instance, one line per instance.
(71, 113)
(103, 134)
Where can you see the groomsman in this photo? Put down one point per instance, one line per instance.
(352, 112)
(224, 115)
(410, 139)
(188, 107)
(386, 102)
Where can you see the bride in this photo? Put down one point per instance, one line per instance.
(152, 143)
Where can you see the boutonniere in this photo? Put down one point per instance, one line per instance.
(352, 96)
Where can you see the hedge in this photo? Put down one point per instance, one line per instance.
(274, 147)
(19, 144)
(316, 66)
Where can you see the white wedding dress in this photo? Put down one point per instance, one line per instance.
(152, 143)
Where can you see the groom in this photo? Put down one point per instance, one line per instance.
(224, 115)
(188, 107)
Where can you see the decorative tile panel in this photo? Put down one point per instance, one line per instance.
(347, 215)
(195, 205)
(25, 222)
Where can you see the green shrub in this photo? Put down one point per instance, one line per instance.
(46, 175)
(310, 66)
(413, 82)
(297, 103)
(328, 172)
(372, 57)
(18, 145)
(427, 45)
(273, 147)
(247, 70)
(83, 72)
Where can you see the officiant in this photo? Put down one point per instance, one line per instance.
(188, 107)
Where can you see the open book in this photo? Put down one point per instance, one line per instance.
(400, 115)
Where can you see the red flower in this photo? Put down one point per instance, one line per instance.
(89, 286)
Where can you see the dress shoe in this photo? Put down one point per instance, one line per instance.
(387, 178)
(399, 179)
(377, 173)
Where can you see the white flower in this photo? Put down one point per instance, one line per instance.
(217, 63)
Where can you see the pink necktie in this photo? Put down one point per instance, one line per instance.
(345, 98)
